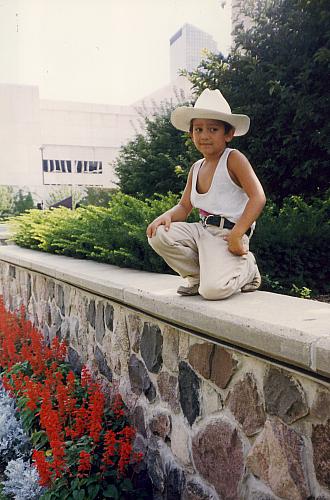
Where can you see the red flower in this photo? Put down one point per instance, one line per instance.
(117, 406)
(109, 447)
(84, 466)
(43, 467)
(96, 411)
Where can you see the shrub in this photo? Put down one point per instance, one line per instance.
(291, 243)
(115, 235)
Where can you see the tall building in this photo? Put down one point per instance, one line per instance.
(186, 48)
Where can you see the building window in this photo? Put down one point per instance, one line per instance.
(75, 166)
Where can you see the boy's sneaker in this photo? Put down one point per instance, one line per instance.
(188, 290)
(254, 284)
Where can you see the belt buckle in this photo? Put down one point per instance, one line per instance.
(204, 220)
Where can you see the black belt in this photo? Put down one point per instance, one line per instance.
(216, 220)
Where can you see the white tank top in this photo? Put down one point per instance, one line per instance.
(224, 197)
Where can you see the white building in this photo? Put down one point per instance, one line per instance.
(186, 48)
(55, 142)
(50, 143)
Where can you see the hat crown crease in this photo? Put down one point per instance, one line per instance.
(213, 100)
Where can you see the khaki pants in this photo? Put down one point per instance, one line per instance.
(201, 255)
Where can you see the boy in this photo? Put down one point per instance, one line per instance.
(212, 254)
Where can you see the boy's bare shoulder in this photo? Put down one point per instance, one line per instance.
(236, 159)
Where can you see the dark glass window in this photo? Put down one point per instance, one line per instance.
(51, 165)
(79, 167)
(68, 165)
(45, 165)
(57, 163)
(63, 169)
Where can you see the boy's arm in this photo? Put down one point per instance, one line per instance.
(178, 213)
(243, 174)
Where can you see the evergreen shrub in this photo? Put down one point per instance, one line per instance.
(291, 243)
(292, 246)
(115, 235)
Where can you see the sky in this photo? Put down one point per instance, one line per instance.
(99, 51)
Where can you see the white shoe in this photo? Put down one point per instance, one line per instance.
(188, 290)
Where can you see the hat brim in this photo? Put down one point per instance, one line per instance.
(182, 116)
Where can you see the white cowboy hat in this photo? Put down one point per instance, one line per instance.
(210, 105)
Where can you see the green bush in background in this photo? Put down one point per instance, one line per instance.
(115, 235)
(291, 243)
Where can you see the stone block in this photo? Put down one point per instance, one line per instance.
(55, 328)
(256, 490)
(151, 347)
(108, 316)
(50, 288)
(184, 339)
(245, 404)
(180, 441)
(278, 458)
(175, 480)
(28, 287)
(322, 356)
(120, 348)
(74, 360)
(284, 396)
(211, 399)
(321, 405)
(223, 367)
(169, 390)
(74, 328)
(102, 364)
(139, 378)
(65, 329)
(59, 297)
(189, 386)
(160, 425)
(138, 420)
(195, 489)
(200, 358)
(155, 466)
(134, 329)
(91, 313)
(321, 453)
(99, 323)
(218, 453)
(12, 272)
(171, 348)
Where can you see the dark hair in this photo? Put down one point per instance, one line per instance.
(227, 126)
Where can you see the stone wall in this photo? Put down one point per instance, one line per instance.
(213, 422)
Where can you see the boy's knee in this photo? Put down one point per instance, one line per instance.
(214, 292)
(159, 240)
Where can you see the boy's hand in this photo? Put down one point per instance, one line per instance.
(162, 220)
(236, 244)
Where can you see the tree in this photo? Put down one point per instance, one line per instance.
(6, 200)
(22, 202)
(277, 75)
(99, 197)
(156, 161)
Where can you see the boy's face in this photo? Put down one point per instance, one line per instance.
(209, 137)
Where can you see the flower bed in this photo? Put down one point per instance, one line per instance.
(81, 439)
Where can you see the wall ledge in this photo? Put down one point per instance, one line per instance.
(286, 329)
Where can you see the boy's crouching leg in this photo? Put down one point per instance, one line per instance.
(213, 292)
(159, 241)
(229, 281)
